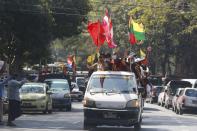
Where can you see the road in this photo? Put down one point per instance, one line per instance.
(155, 118)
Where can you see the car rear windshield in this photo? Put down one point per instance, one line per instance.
(174, 85)
(32, 89)
(58, 85)
(80, 81)
(191, 93)
(112, 83)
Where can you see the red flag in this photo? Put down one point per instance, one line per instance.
(107, 25)
(132, 38)
(97, 33)
(145, 61)
(69, 60)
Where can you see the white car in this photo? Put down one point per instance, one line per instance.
(187, 100)
(112, 98)
(161, 97)
(174, 99)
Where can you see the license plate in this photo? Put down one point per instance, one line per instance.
(110, 115)
(26, 104)
(194, 102)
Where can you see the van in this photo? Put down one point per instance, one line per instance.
(112, 98)
(192, 81)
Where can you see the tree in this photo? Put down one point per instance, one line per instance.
(28, 27)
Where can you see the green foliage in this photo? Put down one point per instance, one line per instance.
(28, 27)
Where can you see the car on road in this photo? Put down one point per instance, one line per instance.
(172, 86)
(35, 97)
(192, 81)
(112, 98)
(155, 93)
(61, 94)
(174, 99)
(187, 100)
(76, 94)
(161, 96)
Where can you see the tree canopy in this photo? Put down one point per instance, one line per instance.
(28, 27)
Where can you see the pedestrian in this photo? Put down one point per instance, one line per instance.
(14, 100)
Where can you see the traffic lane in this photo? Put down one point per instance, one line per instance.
(155, 118)
(58, 120)
(167, 120)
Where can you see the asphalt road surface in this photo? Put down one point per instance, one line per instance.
(155, 118)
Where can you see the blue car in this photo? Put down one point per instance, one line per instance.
(60, 91)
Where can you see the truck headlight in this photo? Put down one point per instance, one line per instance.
(67, 95)
(88, 103)
(133, 103)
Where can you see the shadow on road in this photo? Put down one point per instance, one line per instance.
(127, 129)
(150, 109)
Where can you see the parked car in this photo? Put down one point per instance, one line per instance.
(34, 97)
(76, 94)
(174, 99)
(187, 100)
(192, 81)
(61, 94)
(172, 86)
(161, 97)
(155, 93)
(111, 98)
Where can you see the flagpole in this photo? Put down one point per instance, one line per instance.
(130, 18)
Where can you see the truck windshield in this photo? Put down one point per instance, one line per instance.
(112, 83)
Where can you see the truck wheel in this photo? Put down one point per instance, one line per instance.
(69, 108)
(87, 126)
(46, 110)
(137, 126)
(50, 111)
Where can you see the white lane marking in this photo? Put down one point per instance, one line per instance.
(77, 122)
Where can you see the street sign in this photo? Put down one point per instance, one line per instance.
(149, 48)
